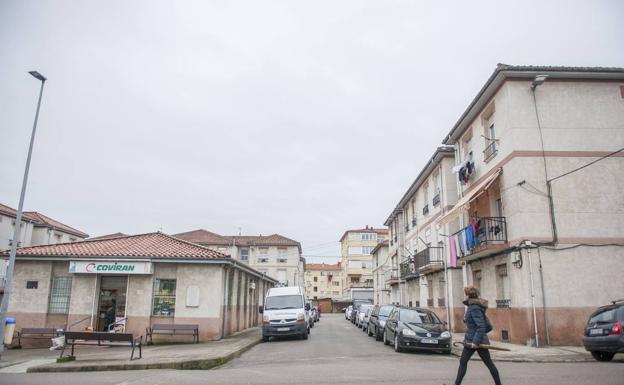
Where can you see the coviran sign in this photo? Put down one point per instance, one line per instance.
(110, 267)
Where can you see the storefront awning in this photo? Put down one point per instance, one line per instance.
(464, 202)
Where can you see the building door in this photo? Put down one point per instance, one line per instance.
(112, 303)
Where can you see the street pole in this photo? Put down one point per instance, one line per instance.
(18, 219)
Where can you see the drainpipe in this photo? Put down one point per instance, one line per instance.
(539, 256)
(225, 290)
(448, 299)
(528, 243)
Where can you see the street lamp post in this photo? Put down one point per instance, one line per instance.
(18, 219)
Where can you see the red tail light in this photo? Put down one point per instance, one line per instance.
(616, 329)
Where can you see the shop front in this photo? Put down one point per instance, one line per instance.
(152, 278)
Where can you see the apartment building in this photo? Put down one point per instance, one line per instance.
(323, 280)
(418, 244)
(382, 271)
(537, 223)
(355, 248)
(274, 255)
(35, 229)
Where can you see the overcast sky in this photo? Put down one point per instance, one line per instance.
(291, 117)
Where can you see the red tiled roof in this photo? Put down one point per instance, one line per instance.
(11, 212)
(150, 245)
(107, 236)
(323, 266)
(49, 222)
(205, 237)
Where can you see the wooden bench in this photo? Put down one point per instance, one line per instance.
(173, 329)
(37, 333)
(102, 339)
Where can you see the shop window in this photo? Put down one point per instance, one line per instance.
(32, 284)
(60, 294)
(164, 297)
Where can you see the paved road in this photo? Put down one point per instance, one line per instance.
(338, 353)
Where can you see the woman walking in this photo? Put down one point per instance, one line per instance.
(477, 327)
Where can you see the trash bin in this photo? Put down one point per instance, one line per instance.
(9, 329)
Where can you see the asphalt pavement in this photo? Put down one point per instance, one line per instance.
(339, 353)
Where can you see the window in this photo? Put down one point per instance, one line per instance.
(263, 259)
(360, 264)
(368, 236)
(430, 289)
(426, 193)
(436, 189)
(164, 297)
(499, 207)
(60, 294)
(467, 142)
(244, 254)
(476, 279)
(490, 138)
(32, 284)
(502, 282)
(315, 279)
(336, 283)
(315, 288)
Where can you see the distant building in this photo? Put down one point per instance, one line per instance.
(382, 273)
(274, 255)
(35, 229)
(323, 281)
(357, 266)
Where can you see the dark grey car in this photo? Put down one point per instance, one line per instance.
(417, 329)
(377, 320)
(603, 333)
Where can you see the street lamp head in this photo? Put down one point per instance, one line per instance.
(37, 75)
(538, 81)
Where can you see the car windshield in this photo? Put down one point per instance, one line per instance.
(418, 317)
(607, 315)
(283, 302)
(385, 310)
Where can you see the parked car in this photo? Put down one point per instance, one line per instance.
(418, 329)
(311, 318)
(359, 321)
(366, 318)
(315, 314)
(348, 311)
(285, 313)
(377, 320)
(603, 333)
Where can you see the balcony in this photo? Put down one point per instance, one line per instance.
(436, 200)
(426, 209)
(490, 150)
(359, 285)
(491, 236)
(393, 278)
(429, 259)
(408, 270)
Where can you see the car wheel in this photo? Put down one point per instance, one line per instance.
(265, 338)
(377, 336)
(305, 334)
(602, 356)
(312, 325)
(397, 348)
(385, 338)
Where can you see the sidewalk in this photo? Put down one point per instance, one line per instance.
(172, 356)
(522, 353)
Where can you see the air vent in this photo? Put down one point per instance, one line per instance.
(505, 335)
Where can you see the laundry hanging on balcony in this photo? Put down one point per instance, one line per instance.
(465, 170)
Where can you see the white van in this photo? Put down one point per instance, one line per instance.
(285, 313)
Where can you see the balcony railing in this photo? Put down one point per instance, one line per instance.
(429, 257)
(408, 269)
(436, 199)
(490, 150)
(489, 231)
(503, 303)
(426, 209)
(361, 284)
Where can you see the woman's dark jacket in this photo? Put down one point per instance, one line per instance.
(476, 324)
